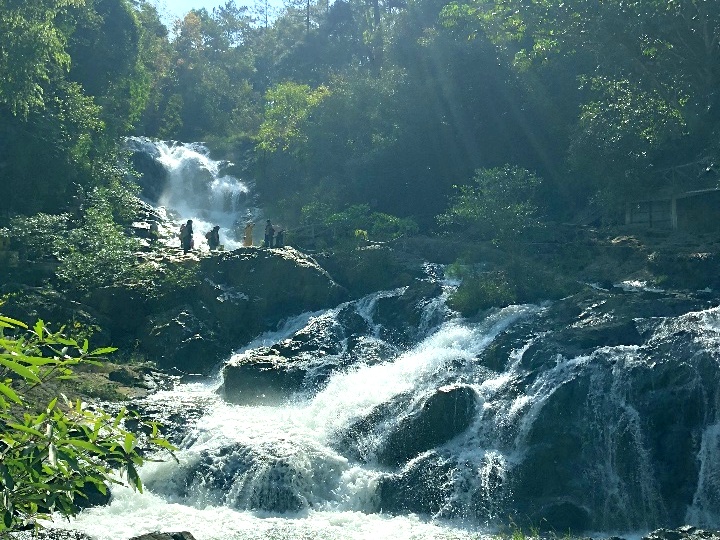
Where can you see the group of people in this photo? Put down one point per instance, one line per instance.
(273, 238)
(187, 242)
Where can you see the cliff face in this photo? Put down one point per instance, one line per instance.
(241, 294)
(237, 295)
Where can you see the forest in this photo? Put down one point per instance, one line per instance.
(429, 115)
(482, 121)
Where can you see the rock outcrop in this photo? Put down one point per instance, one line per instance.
(442, 416)
(369, 330)
(184, 535)
(279, 282)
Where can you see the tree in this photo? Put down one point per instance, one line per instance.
(662, 54)
(50, 456)
(497, 206)
(103, 44)
(620, 135)
(288, 105)
(32, 50)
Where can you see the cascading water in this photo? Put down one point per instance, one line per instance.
(569, 416)
(189, 184)
(580, 417)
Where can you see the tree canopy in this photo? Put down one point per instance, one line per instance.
(390, 103)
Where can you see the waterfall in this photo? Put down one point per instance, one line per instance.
(502, 417)
(262, 470)
(192, 185)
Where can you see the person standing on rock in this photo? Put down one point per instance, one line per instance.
(154, 231)
(186, 236)
(280, 238)
(269, 234)
(248, 238)
(213, 237)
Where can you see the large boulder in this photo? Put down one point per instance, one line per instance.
(402, 317)
(372, 268)
(442, 416)
(273, 476)
(123, 306)
(279, 282)
(600, 447)
(240, 295)
(423, 487)
(179, 338)
(260, 379)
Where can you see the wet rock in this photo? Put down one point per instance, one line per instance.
(372, 268)
(268, 477)
(260, 379)
(438, 419)
(165, 536)
(563, 515)
(235, 313)
(180, 339)
(604, 440)
(686, 532)
(176, 414)
(92, 496)
(360, 440)
(303, 361)
(280, 282)
(423, 487)
(400, 316)
(322, 336)
(153, 175)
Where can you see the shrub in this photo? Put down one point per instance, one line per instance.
(519, 281)
(482, 291)
(52, 455)
(97, 253)
(40, 236)
(497, 206)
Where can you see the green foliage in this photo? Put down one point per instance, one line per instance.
(498, 206)
(375, 225)
(68, 88)
(92, 248)
(32, 50)
(288, 105)
(482, 291)
(165, 281)
(98, 252)
(41, 236)
(519, 281)
(118, 196)
(619, 135)
(314, 213)
(50, 456)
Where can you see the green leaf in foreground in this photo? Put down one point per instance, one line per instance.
(49, 459)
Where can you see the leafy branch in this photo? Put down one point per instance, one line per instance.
(50, 457)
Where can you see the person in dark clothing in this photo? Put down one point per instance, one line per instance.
(280, 238)
(154, 231)
(213, 237)
(186, 236)
(269, 234)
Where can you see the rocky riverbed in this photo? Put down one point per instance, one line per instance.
(611, 389)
